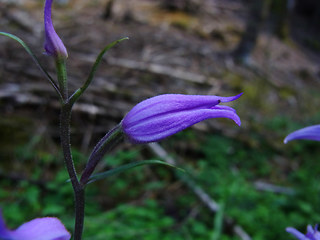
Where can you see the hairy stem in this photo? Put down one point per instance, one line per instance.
(62, 77)
(110, 140)
(78, 189)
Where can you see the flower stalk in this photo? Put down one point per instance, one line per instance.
(79, 192)
(111, 139)
(62, 77)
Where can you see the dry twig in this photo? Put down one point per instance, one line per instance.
(198, 191)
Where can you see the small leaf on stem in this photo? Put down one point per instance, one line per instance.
(126, 167)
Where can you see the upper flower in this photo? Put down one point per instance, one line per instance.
(53, 44)
(47, 228)
(164, 115)
(312, 233)
(311, 133)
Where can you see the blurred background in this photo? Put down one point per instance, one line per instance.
(240, 182)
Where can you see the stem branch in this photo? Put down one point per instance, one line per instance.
(77, 187)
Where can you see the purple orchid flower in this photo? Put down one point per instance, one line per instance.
(53, 44)
(47, 228)
(162, 116)
(312, 233)
(311, 133)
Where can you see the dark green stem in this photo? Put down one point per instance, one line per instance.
(62, 76)
(65, 116)
(79, 192)
(111, 139)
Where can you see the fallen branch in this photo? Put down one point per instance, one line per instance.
(268, 187)
(212, 205)
(158, 69)
(154, 68)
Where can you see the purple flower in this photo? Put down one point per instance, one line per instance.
(312, 233)
(311, 133)
(164, 115)
(53, 44)
(47, 228)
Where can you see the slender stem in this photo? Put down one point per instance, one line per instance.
(111, 139)
(65, 116)
(62, 77)
(79, 192)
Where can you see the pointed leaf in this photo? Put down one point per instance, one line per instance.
(94, 68)
(34, 58)
(126, 167)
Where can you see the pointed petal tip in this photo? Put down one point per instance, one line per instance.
(307, 133)
(230, 99)
(234, 116)
(238, 95)
(295, 233)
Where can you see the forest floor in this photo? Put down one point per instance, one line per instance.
(167, 52)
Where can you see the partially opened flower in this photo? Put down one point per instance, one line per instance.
(164, 115)
(309, 133)
(53, 44)
(47, 228)
(312, 233)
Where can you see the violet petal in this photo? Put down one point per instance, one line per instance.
(296, 233)
(309, 133)
(162, 116)
(47, 228)
(53, 44)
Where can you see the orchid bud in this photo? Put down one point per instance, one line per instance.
(53, 45)
(162, 116)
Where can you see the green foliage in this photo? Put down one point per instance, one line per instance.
(150, 202)
(147, 221)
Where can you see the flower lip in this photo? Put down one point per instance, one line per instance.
(53, 44)
(308, 133)
(47, 228)
(159, 117)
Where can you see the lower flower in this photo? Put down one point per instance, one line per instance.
(47, 228)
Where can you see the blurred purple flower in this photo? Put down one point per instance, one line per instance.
(162, 116)
(312, 233)
(310, 133)
(47, 228)
(53, 44)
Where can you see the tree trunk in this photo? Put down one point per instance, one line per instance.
(281, 10)
(107, 14)
(247, 43)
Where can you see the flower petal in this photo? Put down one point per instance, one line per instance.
(170, 103)
(53, 44)
(313, 234)
(162, 126)
(296, 233)
(48, 228)
(310, 133)
(5, 233)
